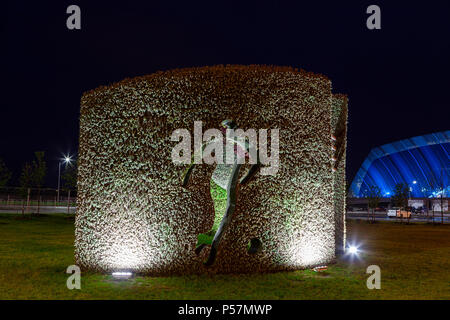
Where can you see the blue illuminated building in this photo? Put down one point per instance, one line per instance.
(422, 163)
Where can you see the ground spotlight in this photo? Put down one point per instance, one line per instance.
(122, 275)
(352, 250)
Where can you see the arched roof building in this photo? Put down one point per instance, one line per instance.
(422, 163)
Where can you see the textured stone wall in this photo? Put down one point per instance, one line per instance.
(339, 128)
(134, 215)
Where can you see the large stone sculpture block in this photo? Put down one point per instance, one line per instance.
(339, 130)
(132, 212)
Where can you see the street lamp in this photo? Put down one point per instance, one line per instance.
(66, 160)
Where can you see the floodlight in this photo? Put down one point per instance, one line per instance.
(122, 275)
(353, 250)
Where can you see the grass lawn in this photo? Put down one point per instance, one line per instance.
(414, 261)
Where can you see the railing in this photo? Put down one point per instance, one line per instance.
(32, 200)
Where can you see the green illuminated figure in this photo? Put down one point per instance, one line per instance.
(231, 185)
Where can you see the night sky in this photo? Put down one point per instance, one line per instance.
(397, 78)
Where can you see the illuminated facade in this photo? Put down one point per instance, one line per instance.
(134, 215)
(422, 163)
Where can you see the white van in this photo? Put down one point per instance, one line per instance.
(392, 213)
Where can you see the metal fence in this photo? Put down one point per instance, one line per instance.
(33, 200)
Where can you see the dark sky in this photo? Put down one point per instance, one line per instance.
(397, 78)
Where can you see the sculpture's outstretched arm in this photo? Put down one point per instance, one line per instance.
(187, 174)
(188, 171)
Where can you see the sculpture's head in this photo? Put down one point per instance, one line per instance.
(228, 124)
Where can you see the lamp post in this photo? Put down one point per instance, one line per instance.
(66, 160)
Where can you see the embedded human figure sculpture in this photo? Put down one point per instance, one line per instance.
(231, 186)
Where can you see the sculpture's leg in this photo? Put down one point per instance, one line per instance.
(219, 197)
(253, 169)
(231, 204)
(199, 248)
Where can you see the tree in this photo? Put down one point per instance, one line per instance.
(39, 168)
(431, 195)
(5, 174)
(442, 189)
(26, 178)
(33, 174)
(69, 176)
(374, 198)
(25, 181)
(39, 172)
(400, 197)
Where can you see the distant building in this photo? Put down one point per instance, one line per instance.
(422, 163)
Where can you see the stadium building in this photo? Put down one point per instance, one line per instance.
(422, 163)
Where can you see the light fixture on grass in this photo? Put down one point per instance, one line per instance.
(122, 275)
(352, 250)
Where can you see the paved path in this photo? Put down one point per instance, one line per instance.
(33, 209)
(350, 215)
(414, 217)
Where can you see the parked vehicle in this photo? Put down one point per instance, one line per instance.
(419, 210)
(397, 213)
(403, 214)
(392, 213)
